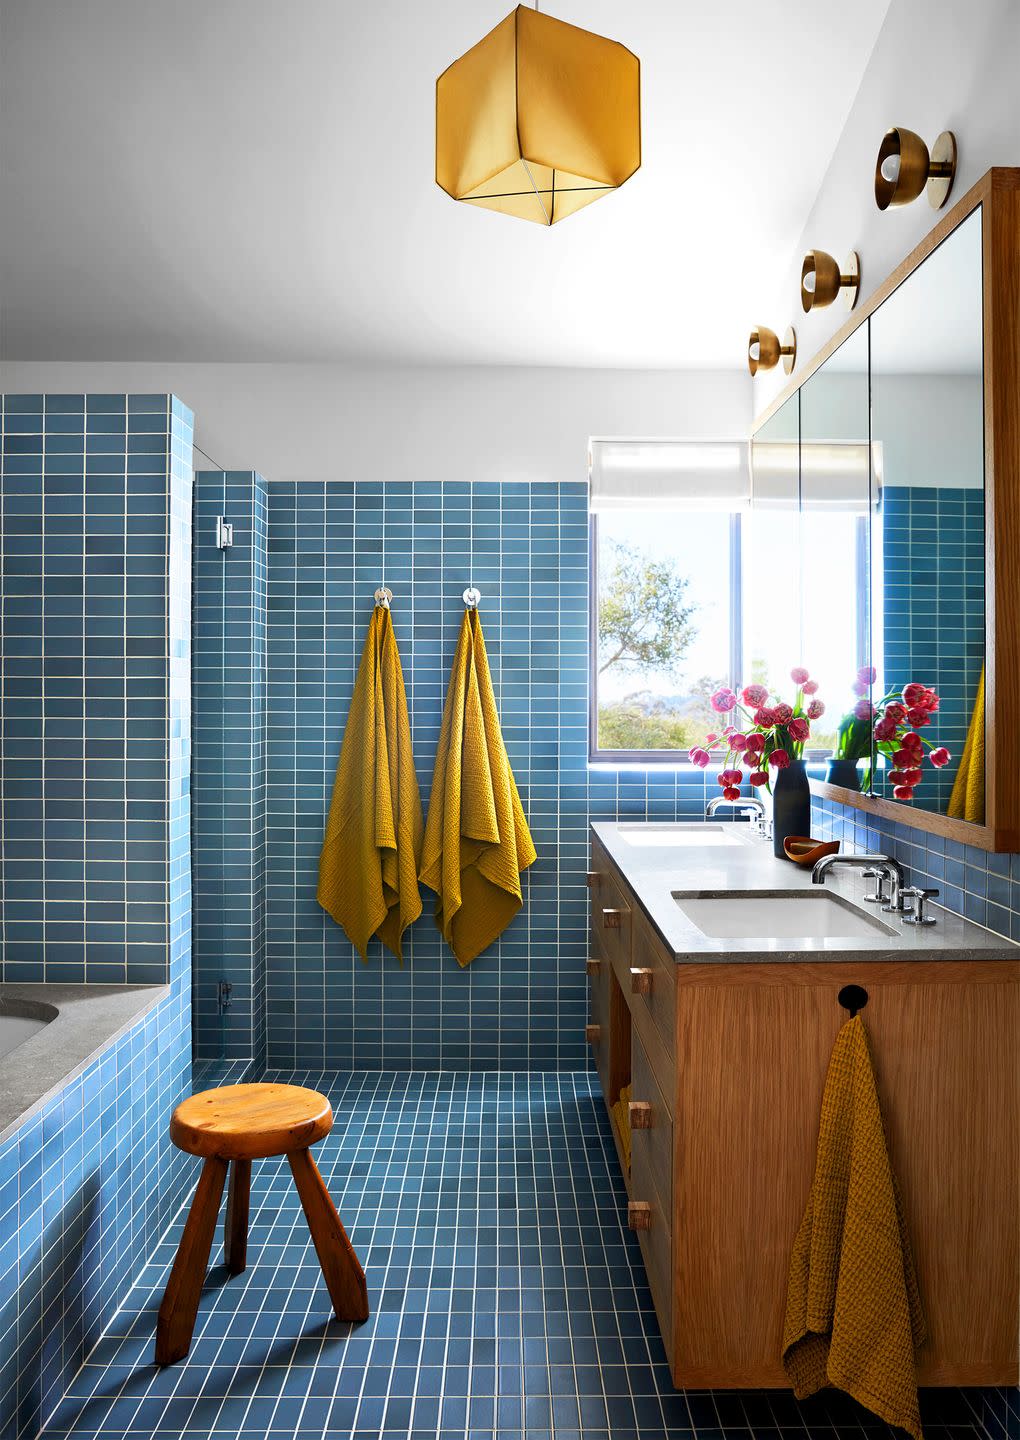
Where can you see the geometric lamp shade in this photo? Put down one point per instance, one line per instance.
(538, 119)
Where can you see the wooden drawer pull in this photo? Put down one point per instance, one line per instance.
(592, 1034)
(611, 918)
(593, 879)
(641, 981)
(593, 967)
(640, 1115)
(639, 1215)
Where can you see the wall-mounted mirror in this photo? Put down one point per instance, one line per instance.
(907, 475)
(927, 402)
(773, 618)
(835, 486)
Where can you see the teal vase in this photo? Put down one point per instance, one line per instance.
(843, 773)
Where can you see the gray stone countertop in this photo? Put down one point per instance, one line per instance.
(657, 871)
(87, 1019)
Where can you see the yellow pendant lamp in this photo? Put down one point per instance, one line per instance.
(538, 119)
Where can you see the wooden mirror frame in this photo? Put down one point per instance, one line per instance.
(998, 194)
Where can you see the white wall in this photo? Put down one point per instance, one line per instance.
(937, 65)
(314, 422)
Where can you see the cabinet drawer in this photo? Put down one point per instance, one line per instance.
(656, 1243)
(661, 1062)
(653, 982)
(599, 1017)
(651, 1131)
(610, 910)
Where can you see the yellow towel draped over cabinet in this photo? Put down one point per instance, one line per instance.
(477, 840)
(853, 1315)
(368, 869)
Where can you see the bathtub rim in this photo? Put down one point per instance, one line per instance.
(20, 1008)
(87, 1020)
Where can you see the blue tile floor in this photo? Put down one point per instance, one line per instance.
(509, 1300)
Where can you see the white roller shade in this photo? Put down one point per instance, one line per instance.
(834, 475)
(669, 475)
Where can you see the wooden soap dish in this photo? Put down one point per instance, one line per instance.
(803, 850)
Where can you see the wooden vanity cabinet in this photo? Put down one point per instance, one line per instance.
(727, 1064)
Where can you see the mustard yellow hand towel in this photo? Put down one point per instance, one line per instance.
(967, 801)
(853, 1315)
(477, 840)
(368, 869)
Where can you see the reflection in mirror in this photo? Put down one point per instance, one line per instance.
(772, 575)
(928, 535)
(835, 485)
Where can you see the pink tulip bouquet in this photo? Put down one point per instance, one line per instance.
(894, 721)
(765, 734)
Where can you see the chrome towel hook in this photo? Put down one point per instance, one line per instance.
(383, 596)
(472, 597)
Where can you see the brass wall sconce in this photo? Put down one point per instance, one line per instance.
(764, 350)
(904, 168)
(821, 280)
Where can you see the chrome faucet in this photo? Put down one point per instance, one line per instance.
(747, 803)
(881, 867)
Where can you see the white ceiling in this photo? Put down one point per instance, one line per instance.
(253, 180)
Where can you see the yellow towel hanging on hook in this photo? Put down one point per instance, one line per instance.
(477, 841)
(368, 868)
(853, 1314)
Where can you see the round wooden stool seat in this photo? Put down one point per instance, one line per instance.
(251, 1122)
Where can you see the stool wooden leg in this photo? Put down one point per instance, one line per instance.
(341, 1269)
(235, 1223)
(177, 1313)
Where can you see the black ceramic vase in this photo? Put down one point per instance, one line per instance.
(844, 773)
(791, 805)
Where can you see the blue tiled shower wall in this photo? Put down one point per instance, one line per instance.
(87, 725)
(522, 1004)
(228, 767)
(934, 596)
(96, 494)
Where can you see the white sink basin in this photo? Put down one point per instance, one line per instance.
(695, 835)
(778, 915)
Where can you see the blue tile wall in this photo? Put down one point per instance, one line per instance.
(982, 886)
(85, 490)
(522, 1004)
(933, 550)
(88, 1184)
(228, 765)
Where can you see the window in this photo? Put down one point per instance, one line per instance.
(666, 575)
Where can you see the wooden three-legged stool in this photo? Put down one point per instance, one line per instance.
(232, 1127)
